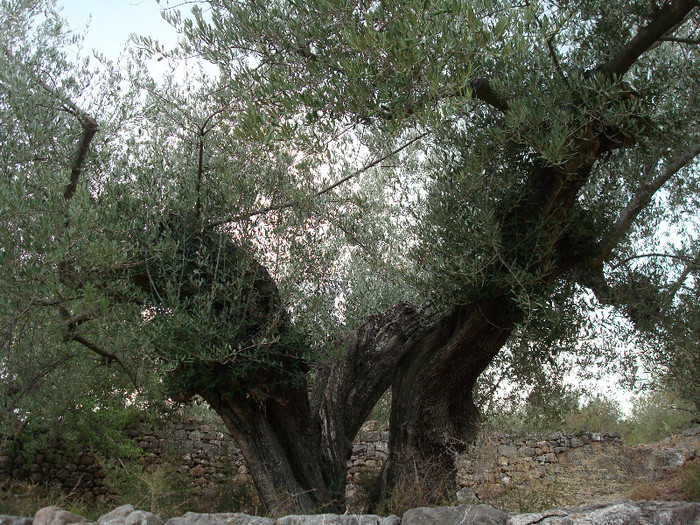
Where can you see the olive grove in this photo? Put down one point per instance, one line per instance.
(367, 195)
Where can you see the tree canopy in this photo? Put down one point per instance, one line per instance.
(367, 194)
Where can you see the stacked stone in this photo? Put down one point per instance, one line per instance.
(369, 452)
(505, 460)
(68, 469)
(205, 455)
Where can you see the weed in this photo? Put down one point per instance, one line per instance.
(691, 480)
(644, 491)
(157, 488)
(22, 498)
(421, 482)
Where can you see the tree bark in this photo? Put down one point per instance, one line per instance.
(297, 440)
(281, 448)
(433, 412)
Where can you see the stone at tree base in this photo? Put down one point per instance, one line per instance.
(621, 512)
(118, 513)
(467, 496)
(462, 515)
(195, 518)
(334, 519)
(141, 517)
(14, 520)
(55, 516)
(617, 513)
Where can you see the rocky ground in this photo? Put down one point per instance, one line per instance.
(623, 512)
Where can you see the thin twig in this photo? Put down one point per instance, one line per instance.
(293, 202)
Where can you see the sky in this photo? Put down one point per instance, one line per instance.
(110, 22)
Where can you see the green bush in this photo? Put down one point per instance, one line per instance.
(600, 414)
(657, 416)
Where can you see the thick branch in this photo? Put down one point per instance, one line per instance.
(347, 389)
(89, 129)
(481, 90)
(665, 21)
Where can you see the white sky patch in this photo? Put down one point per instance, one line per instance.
(111, 22)
(108, 25)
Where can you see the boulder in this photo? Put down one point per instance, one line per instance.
(194, 518)
(117, 514)
(56, 516)
(462, 515)
(617, 513)
(14, 520)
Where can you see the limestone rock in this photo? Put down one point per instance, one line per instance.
(333, 519)
(56, 516)
(141, 517)
(467, 496)
(617, 513)
(463, 515)
(194, 518)
(14, 520)
(117, 514)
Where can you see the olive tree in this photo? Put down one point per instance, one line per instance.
(460, 171)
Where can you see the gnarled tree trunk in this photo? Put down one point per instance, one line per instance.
(433, 412)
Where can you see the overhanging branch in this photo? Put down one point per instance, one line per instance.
(109, 357)
(640, 201)
(323, 191)
(667, 19)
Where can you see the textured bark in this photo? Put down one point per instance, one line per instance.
(348, 388)
(433, 412)
(281, 448)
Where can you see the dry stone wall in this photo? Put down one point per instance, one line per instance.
(204, 454)
(586, 465)
(500, 461)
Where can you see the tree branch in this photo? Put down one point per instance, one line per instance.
(108, 356)
(481, 90)
(676, 285)
(640, 201)
(688, 41)
(346, 389)
(667, 19)
(323, 191)
(35, 381)
(89, 129)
